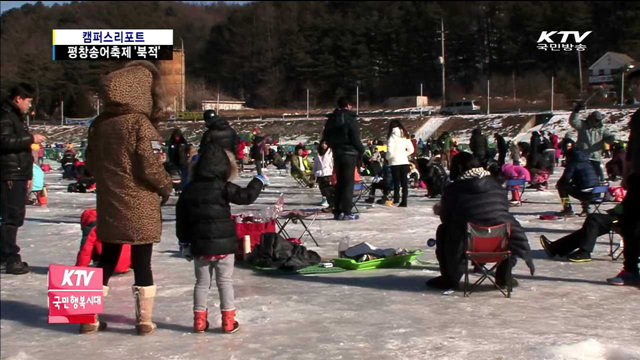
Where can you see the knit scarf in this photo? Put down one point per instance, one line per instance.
(474, 173)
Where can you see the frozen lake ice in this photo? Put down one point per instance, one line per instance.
(565, 311)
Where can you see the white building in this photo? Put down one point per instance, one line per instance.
(222, 105)
(407, 101)
(607, 67)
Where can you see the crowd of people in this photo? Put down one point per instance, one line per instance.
(126, 158)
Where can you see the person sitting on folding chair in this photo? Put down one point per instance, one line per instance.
(512, 172)
(279, 160)
(539, 168)
(300, 168)
(414, 175)
(474, 196)
(383, 182)
(578, 176)
(433, 175)
(579, 245)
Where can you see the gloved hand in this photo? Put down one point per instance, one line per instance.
(579, 106)
(186, 252)
(264, 179)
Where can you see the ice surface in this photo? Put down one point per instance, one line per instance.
(566, 311)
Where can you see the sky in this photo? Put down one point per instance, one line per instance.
(6, 5)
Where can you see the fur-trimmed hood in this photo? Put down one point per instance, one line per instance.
(136, 88)
(215, 163)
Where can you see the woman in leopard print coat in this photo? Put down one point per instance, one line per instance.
(123, 154)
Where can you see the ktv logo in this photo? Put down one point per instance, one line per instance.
(545, 42)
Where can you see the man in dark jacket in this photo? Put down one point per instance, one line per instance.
(536, 143)
(342, 133)
(502, 148)
(579, 245)
(578, 179)
(177, 151)
(16, 165)
(257, 152)
(630, 274)
(479, 145)
(219, 132)
(475, 197)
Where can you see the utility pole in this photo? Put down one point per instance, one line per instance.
(182, 78)
(488, 98)
(442, 62)
(357, 100)
(307, 104)
(513, 84)
(420, 99)
(61, 112)
(580, 71)
(218, 105)
(622, 89)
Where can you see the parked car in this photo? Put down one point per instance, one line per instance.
(461, 107)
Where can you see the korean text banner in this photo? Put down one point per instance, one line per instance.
(112, 44)
(74, 291)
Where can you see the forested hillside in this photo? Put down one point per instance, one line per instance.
(269, 53)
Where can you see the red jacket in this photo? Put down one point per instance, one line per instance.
(241, 146)
(91, 249)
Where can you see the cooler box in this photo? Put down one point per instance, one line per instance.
(254, 230)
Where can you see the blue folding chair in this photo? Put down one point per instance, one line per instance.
(615, 250)
(598, 196)
(358, 190)
(516, 185)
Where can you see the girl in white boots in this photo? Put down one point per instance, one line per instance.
(123, 154)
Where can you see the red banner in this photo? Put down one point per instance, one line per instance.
(75, 294)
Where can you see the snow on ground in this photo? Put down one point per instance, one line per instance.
(616, 122)
(566, 311)
(430, 127)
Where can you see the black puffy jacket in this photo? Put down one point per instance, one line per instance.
(478, 144)
(535, 143)
(177, 149)
(203, 214)
(538, 161)
(16, 162)
(481, 201)
(579, 171)
(342, 133)
(221, 133)
(501, 145)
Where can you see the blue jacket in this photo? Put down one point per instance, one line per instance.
(579, 171)
(37, 179)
